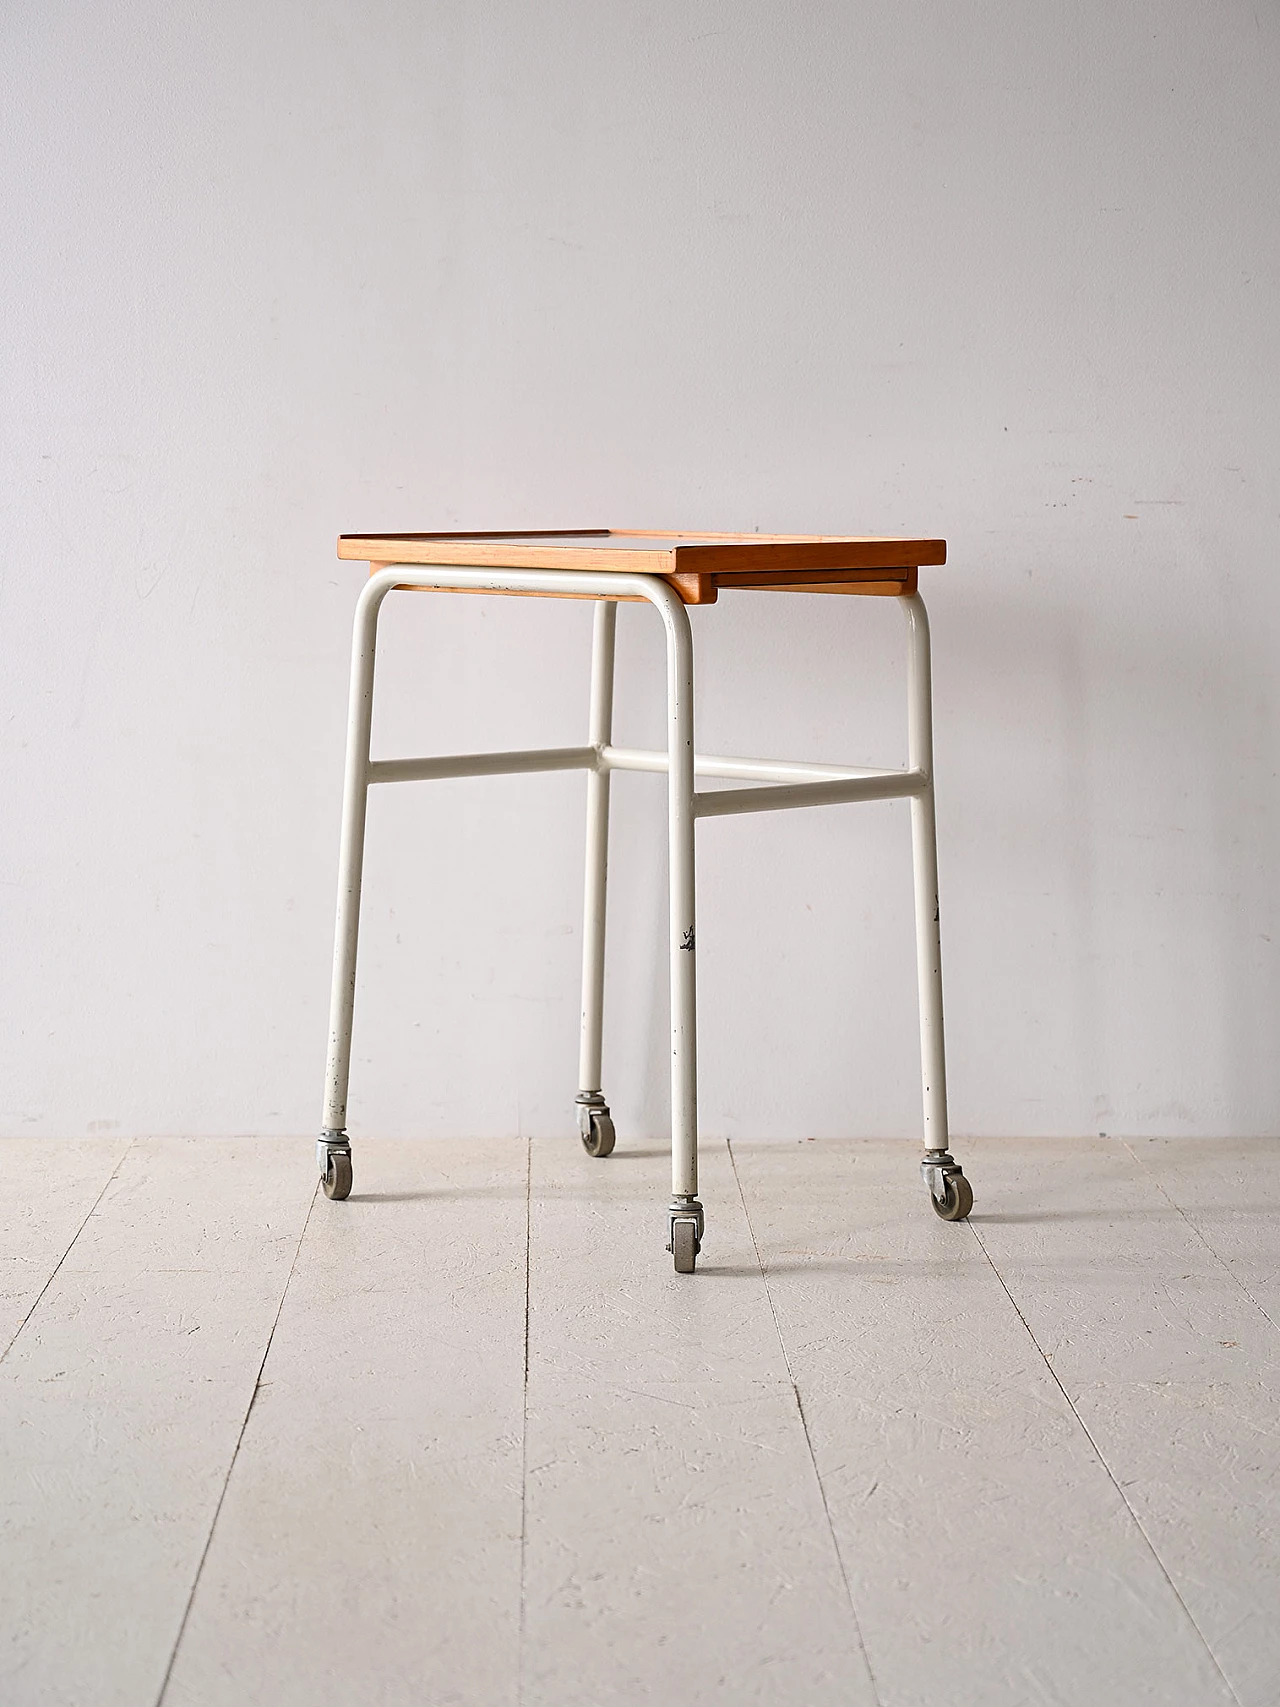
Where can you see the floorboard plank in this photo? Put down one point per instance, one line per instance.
(1229, 1190)
(991, 1558)
(120, 1406)
(677, 1545)
(1169, 1363)
(1004, 1503)
(50, 1186)
(368, 1549)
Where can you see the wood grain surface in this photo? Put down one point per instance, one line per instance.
(698, 566)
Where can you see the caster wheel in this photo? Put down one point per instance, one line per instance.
(601, 1137)
(958, 1201)
(336, 1178)
(684, 1246)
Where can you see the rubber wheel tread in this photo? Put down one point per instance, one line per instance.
(336, 1178)
(684, 1246)
(601, 1137)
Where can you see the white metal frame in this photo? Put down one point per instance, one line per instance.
(785, 785)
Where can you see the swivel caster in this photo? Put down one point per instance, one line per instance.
(335, 1169)
(949, 1191)
(684, 1233)
(595, 1124)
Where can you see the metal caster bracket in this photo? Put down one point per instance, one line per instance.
(935, 1168)
(949, 1191)
(588, 1103)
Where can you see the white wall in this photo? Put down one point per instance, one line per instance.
(1008, 273)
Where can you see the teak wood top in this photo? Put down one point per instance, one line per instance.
(697, 565)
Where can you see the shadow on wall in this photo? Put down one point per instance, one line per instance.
(1105, 774)
(1108, 825)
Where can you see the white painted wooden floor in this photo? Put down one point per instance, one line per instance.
(465, 1439)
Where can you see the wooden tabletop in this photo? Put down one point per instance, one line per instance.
(697, 565)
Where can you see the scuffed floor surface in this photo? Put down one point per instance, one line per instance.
(466, 1439)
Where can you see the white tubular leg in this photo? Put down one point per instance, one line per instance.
(597, 865)
(924, 850)
(680, 831)
(355, 796)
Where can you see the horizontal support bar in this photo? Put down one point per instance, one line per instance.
(483, 764)
(803, 784)
(877, 785)
(746, 770)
